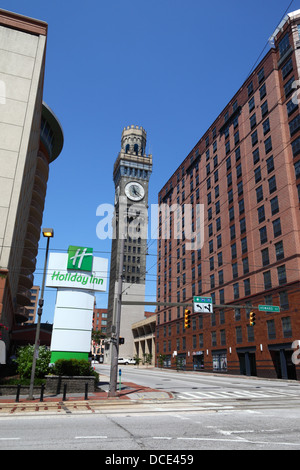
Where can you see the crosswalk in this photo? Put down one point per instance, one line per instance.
(237, 394)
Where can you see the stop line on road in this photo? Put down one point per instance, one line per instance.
(235, 394)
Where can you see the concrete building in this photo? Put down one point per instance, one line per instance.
(30, 138)
(131, 175)
(245, 172)
(143, 333)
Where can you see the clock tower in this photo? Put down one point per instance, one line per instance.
(131, 173)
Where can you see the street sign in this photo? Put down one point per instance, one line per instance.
(268, 308)
(203, 305)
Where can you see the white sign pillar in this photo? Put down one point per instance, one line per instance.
(73, 316)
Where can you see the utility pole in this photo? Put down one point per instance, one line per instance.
(116, 334)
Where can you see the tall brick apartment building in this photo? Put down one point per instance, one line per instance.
(245, 170)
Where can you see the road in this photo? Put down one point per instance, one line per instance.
(200, 387)
(208, 413)
(155, 428)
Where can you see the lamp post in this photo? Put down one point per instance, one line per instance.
(48, 233)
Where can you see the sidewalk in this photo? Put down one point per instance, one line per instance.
(77, 401)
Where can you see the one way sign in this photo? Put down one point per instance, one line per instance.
(203, 305)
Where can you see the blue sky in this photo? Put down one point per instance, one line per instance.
(170, 66)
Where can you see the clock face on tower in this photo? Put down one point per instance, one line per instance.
(134, 191)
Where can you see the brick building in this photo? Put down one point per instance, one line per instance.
(245, 172)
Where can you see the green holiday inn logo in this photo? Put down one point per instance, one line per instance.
(80, 258)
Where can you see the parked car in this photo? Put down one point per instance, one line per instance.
(125, 360)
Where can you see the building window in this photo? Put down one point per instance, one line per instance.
(279, 251)
(251, 104)
(276, 227)
(266, 126)
(286, 327)
(236, 292)
(264, 109)
(261, 214)
(281, 275)
(263, 235)
(238, 334)
(297, 169)
(265, 256)
(250, 333)
(261, 75)
(284, 45)
(259, 194)
(296, 147)
(294, 125)
(286, 70)
(244, 245)
(247, 286)
(257, 174)
(253, 121)
(272, 184)
(274, 205)
(262, 91)
(245, 265)
(255, 156)
(254, 138)
(237, 314)
(284, 301)
(268, 145)
(271, 329)
(267, 280)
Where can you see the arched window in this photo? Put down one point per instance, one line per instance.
(127, 148)
(136, 149)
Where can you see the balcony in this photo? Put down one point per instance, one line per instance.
(26, 278)
(43, 165)
(23, 296)
(28, 260)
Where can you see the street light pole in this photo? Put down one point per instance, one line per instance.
(48, 233)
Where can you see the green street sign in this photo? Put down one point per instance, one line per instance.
(205, 300)
(268, 308)
(80, 258)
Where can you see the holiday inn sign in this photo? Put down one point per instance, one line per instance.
(76, 275)
(77, 269)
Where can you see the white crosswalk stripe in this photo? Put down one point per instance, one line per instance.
(236, 394)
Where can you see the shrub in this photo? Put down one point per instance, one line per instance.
(25, 358)
(73, 367)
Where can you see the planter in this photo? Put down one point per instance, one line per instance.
(11, 390)
(75, 384)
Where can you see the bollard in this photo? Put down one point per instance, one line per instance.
(65, 392)
(18, 393)
(42, 392)
(86, 391)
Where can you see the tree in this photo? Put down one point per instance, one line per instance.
(161, 359)
(25, 358)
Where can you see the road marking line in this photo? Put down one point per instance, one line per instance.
(9, 438)
(90, 437)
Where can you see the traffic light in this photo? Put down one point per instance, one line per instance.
(121, 340)
(252, 319)
(187, 320)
